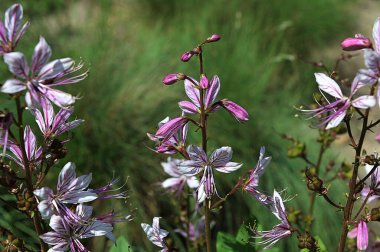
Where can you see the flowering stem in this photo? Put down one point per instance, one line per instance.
(28, 175)
(352, 184)
(203, 123)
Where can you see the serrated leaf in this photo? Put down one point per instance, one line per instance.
(122, 245)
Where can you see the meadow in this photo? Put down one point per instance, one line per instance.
(130, 45)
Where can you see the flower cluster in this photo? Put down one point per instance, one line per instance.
(30, 160)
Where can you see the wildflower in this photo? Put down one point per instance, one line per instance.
(10, 32)
(169, 128)
(70, 190)
(5, 124)
(187, 56)
(361, 234)
(219, 160)
(155, 234)
(253, 181)
(65, 236)
(357, 43)
(173, 78)
(52, 125)
(178, 180)
(193, 107)
(213, 38)
(42, 76)
(33, 153)
(174, 143)
(337, 110)
(279, 231)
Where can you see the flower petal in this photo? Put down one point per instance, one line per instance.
(192, 92)
(336, 120)
(362, 237)
(17, 64)
(212, 92)
(41, 55)
(229, 167)
(364, 102)
(54, 68)
(12, 20)
(328, 85)
(30, 142)
(13, 86)
(188, 107)
(221, 156)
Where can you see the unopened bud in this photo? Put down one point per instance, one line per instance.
(173, 78)
(357, 43)
(298, 149)
(187, 56)
(204, 82)
(213, 38)
(306, 241)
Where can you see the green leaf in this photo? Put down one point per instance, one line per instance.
(122, 245)
(321, 244)
(225, 242)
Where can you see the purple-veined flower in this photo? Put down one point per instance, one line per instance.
(253, 181)
(361, 234)
(66, 236)
(155, 234)
(173, 143)
(187, 56)
(279, 231)
(173, 78)
(374, 186)
(33, 153)
(70, 190)
(178, 180)
(337, 110)
(10, 32)
(42, 76)
(356, 43)
(219, 160)
(5, 123)
(52, 125)
(193, 107)
(169, 128)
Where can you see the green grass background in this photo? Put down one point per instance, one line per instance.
(130, 45)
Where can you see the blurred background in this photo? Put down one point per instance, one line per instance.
(263, 64)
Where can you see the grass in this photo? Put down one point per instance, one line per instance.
(131, 45)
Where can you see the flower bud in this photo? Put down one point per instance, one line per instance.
(314, 183)
(187, 56)
(213, 38)
(237, 111)
(375, 214)
(204, 82)
(173, 78)
(357, 43)
(306, 241)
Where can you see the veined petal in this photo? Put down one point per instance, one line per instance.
(192, 92)
(190, 167)
(13, 86)
(188, 107)
(45, 207)
(30, 142)
(356, 84)
(54, 68)
(68, 126)
(328, 85)
(171, 182)
(97, 228)
(221, 156)
(192, 182)
(336, 120)
(76, 197)
(17, 64)
(212, 92)
(362, 236)
(364, 102)
(376, 34)
(237, 111)
(66, 176)
(48, 112)
(12, 20)
(366, 77)
(372, 60)
(229, 167)
(56, 223)
(41, 55)
(59, 98)
(197, 154)
(171, 167)
(43, 193)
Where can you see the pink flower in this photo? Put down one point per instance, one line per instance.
(336, 111)
(361, 234)
(357, 43)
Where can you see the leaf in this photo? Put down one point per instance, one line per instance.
(321, 244)
(225, 242)
(122, 245)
